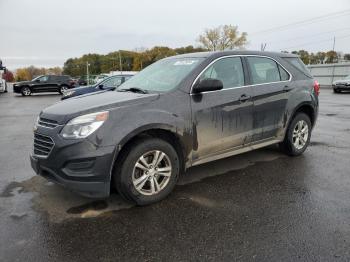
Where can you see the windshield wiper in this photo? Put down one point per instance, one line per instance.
(134, 90)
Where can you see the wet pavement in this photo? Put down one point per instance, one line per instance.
(259, 206)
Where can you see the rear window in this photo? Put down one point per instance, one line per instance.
(297, 63)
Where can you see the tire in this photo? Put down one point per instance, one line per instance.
(127, 176)
(295, 146)
(62, 89)
(25, 91)
(336, 91)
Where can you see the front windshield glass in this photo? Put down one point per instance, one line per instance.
(163, 75)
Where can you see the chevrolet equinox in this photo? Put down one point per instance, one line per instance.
(179, 112)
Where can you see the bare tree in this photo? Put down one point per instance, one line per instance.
(222, 38)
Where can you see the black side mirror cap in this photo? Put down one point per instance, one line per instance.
(208, 84)
(100, 87)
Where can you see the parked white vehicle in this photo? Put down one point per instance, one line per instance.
(3, 85)
(100, 77)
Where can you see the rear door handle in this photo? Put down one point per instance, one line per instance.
(244, 98)
(287, 88)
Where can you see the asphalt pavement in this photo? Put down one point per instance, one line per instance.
(258, 206)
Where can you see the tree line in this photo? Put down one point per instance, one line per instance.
(122, 60)
(329, 57)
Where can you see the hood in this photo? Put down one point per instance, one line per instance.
(23, 83)
(75, 106)
(343, 81)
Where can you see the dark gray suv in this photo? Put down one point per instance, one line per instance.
(179, 112)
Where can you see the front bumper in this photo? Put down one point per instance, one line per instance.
(80, 166)
(17, 89)
(342, 87)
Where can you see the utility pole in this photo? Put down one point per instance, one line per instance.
(87, 73)
(120, 62)
(333, 62)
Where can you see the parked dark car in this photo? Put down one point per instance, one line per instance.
(179, 112)
(44, 83)
(83, 80)
(341, 85)
(109, 83)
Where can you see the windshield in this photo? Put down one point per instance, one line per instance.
(163, 75)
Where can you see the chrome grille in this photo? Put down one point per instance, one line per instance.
(47, 122)
(42, 145)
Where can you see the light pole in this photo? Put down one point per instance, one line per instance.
(120, 62)
(87, 73)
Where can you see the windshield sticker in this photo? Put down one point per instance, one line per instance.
(185, 62)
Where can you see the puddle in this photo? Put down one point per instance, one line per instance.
(58, 204)
(93, 206)
(318, 143)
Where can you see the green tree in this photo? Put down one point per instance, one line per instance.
(331, 57)
(222, 38)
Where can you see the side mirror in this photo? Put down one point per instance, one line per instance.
(100, 87)
(209, 84)
(38, 81)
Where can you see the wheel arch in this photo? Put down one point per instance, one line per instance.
(162, 131)
(305, 107)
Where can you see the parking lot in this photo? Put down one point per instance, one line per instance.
(259, 206)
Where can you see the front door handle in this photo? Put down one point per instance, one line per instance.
(244, 98)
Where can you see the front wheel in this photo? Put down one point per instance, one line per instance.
(298, 135)
(25, 91)
(336, 91)
(148, 173)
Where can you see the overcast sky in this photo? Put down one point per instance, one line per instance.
(47, 32)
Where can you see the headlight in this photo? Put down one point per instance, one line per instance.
(68, 93)
(36, 123)
(83, 126)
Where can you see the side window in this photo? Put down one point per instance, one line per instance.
(43, 79)
(283, 73)
(263, 70)
(113, 82)
(228, 70)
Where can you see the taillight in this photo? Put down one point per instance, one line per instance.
(317, 87)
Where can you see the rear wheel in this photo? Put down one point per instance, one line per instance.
(298, 135)
(63, 89)
(25, 91)
(148, 173)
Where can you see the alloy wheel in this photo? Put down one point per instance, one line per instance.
(151, 173)
(300, 134)
(26, 91)
(63, 89)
